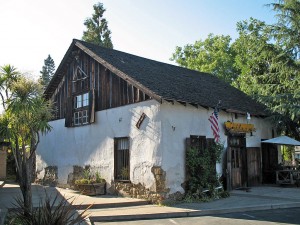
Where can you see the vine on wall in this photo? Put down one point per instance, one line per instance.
(203, 180)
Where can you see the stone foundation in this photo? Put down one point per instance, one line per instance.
(159, 194)
(50, 177)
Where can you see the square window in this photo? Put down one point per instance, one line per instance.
(81, 117)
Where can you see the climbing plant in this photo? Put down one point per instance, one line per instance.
(203, 178)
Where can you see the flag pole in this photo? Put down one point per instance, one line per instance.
(214, 124)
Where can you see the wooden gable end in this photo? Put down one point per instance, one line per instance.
(113, 91)
(83, 74)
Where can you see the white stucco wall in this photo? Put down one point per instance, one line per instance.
(94, 144)
(179, 122)
(160, 141)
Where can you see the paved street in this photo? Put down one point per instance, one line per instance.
(264, 217)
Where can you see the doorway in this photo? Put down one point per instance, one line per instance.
(237, 161)
(269, 163)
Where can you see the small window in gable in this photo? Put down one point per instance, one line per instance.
(81, 117)
(81, 105)
(78, 101)
(81, 100)
(76, 118)
(85, 99)
(85, 117)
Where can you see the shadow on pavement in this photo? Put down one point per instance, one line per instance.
(10, 191)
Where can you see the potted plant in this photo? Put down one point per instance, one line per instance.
(91, 184)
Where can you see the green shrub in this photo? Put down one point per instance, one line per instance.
(83, 181)
(98, 178)
(203, 180)
(89, 178)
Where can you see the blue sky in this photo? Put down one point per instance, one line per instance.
(32, 29)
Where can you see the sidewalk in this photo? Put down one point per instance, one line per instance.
(112, 208)
(10, 191)
(259, 198)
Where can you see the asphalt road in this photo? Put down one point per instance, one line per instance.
(264, 217)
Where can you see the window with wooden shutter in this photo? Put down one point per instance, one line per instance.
(198, 142)
(92, 106)
(80, 109)
(69, 112)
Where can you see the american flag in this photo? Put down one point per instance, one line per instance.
(213, 119)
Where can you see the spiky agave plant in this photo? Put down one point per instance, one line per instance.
(51, 211)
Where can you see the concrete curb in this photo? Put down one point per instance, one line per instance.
(111, 205)
(138, 217)
(244, 209)
(191, 213)
(262, 196)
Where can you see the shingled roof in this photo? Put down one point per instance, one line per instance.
(167, 82)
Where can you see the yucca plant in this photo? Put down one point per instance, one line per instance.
(56, 211)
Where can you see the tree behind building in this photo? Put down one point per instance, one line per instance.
(97, 28)
(47, 71)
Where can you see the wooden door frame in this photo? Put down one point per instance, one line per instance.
(243, 161)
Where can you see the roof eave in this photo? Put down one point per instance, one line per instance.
(58, 73)
(195, 104)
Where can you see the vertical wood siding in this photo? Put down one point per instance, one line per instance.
(254, 166)
(110, 90)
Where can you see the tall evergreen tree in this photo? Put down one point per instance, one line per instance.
(47, 71)
(287, 29)
(97, 28)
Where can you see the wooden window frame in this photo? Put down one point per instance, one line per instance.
(83, 102)
(80, 109)
(126, 159)
(81, 117)
(86, 113)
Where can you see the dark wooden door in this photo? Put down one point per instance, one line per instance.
(236, 167)
(237, 161)
(254, 166)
